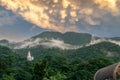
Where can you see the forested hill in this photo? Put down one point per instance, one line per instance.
(68, 40)
(6, 60)
(116, 38)
(57, 63)
(54, 63)
(68, 37)
(48, 66)
(103, 49)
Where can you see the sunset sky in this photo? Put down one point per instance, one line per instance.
(21, 19)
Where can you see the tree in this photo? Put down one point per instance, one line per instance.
(40, 70)
(6, 60)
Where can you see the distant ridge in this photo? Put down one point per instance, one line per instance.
(72, 38)
(68, 40)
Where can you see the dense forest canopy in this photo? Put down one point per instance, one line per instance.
(56, 64)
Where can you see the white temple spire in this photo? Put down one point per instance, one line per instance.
(29, 57)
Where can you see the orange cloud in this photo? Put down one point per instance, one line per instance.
(61, 15)
(109, 5)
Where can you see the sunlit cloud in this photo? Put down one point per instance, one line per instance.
(62, 15)
(109, 5)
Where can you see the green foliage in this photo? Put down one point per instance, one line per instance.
(6, 59)
(104, 49)
(57, 64)
(7, 77)
(58, 76)
(21, 74)
(40, 70)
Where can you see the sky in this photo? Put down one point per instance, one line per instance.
(22, 19)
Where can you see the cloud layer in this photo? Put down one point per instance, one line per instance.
(52, 43)
(62, 15)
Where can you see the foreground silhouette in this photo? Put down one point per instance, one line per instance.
(111, 72)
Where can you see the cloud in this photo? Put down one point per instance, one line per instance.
(109, 5)
(33, 27)
(58, 44)
(94, 40)
(62, 15)
(52, 43)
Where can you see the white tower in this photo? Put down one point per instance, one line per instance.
(92, 39)
(29, 57)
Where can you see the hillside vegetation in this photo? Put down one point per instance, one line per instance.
(48, 67)
(57, 64)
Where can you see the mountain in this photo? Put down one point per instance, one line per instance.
(7, 43)
(4, 42)
(68, 40)
(68, 37)
(57, 63)
(102, 49)
(116, 38)
(58, 54)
